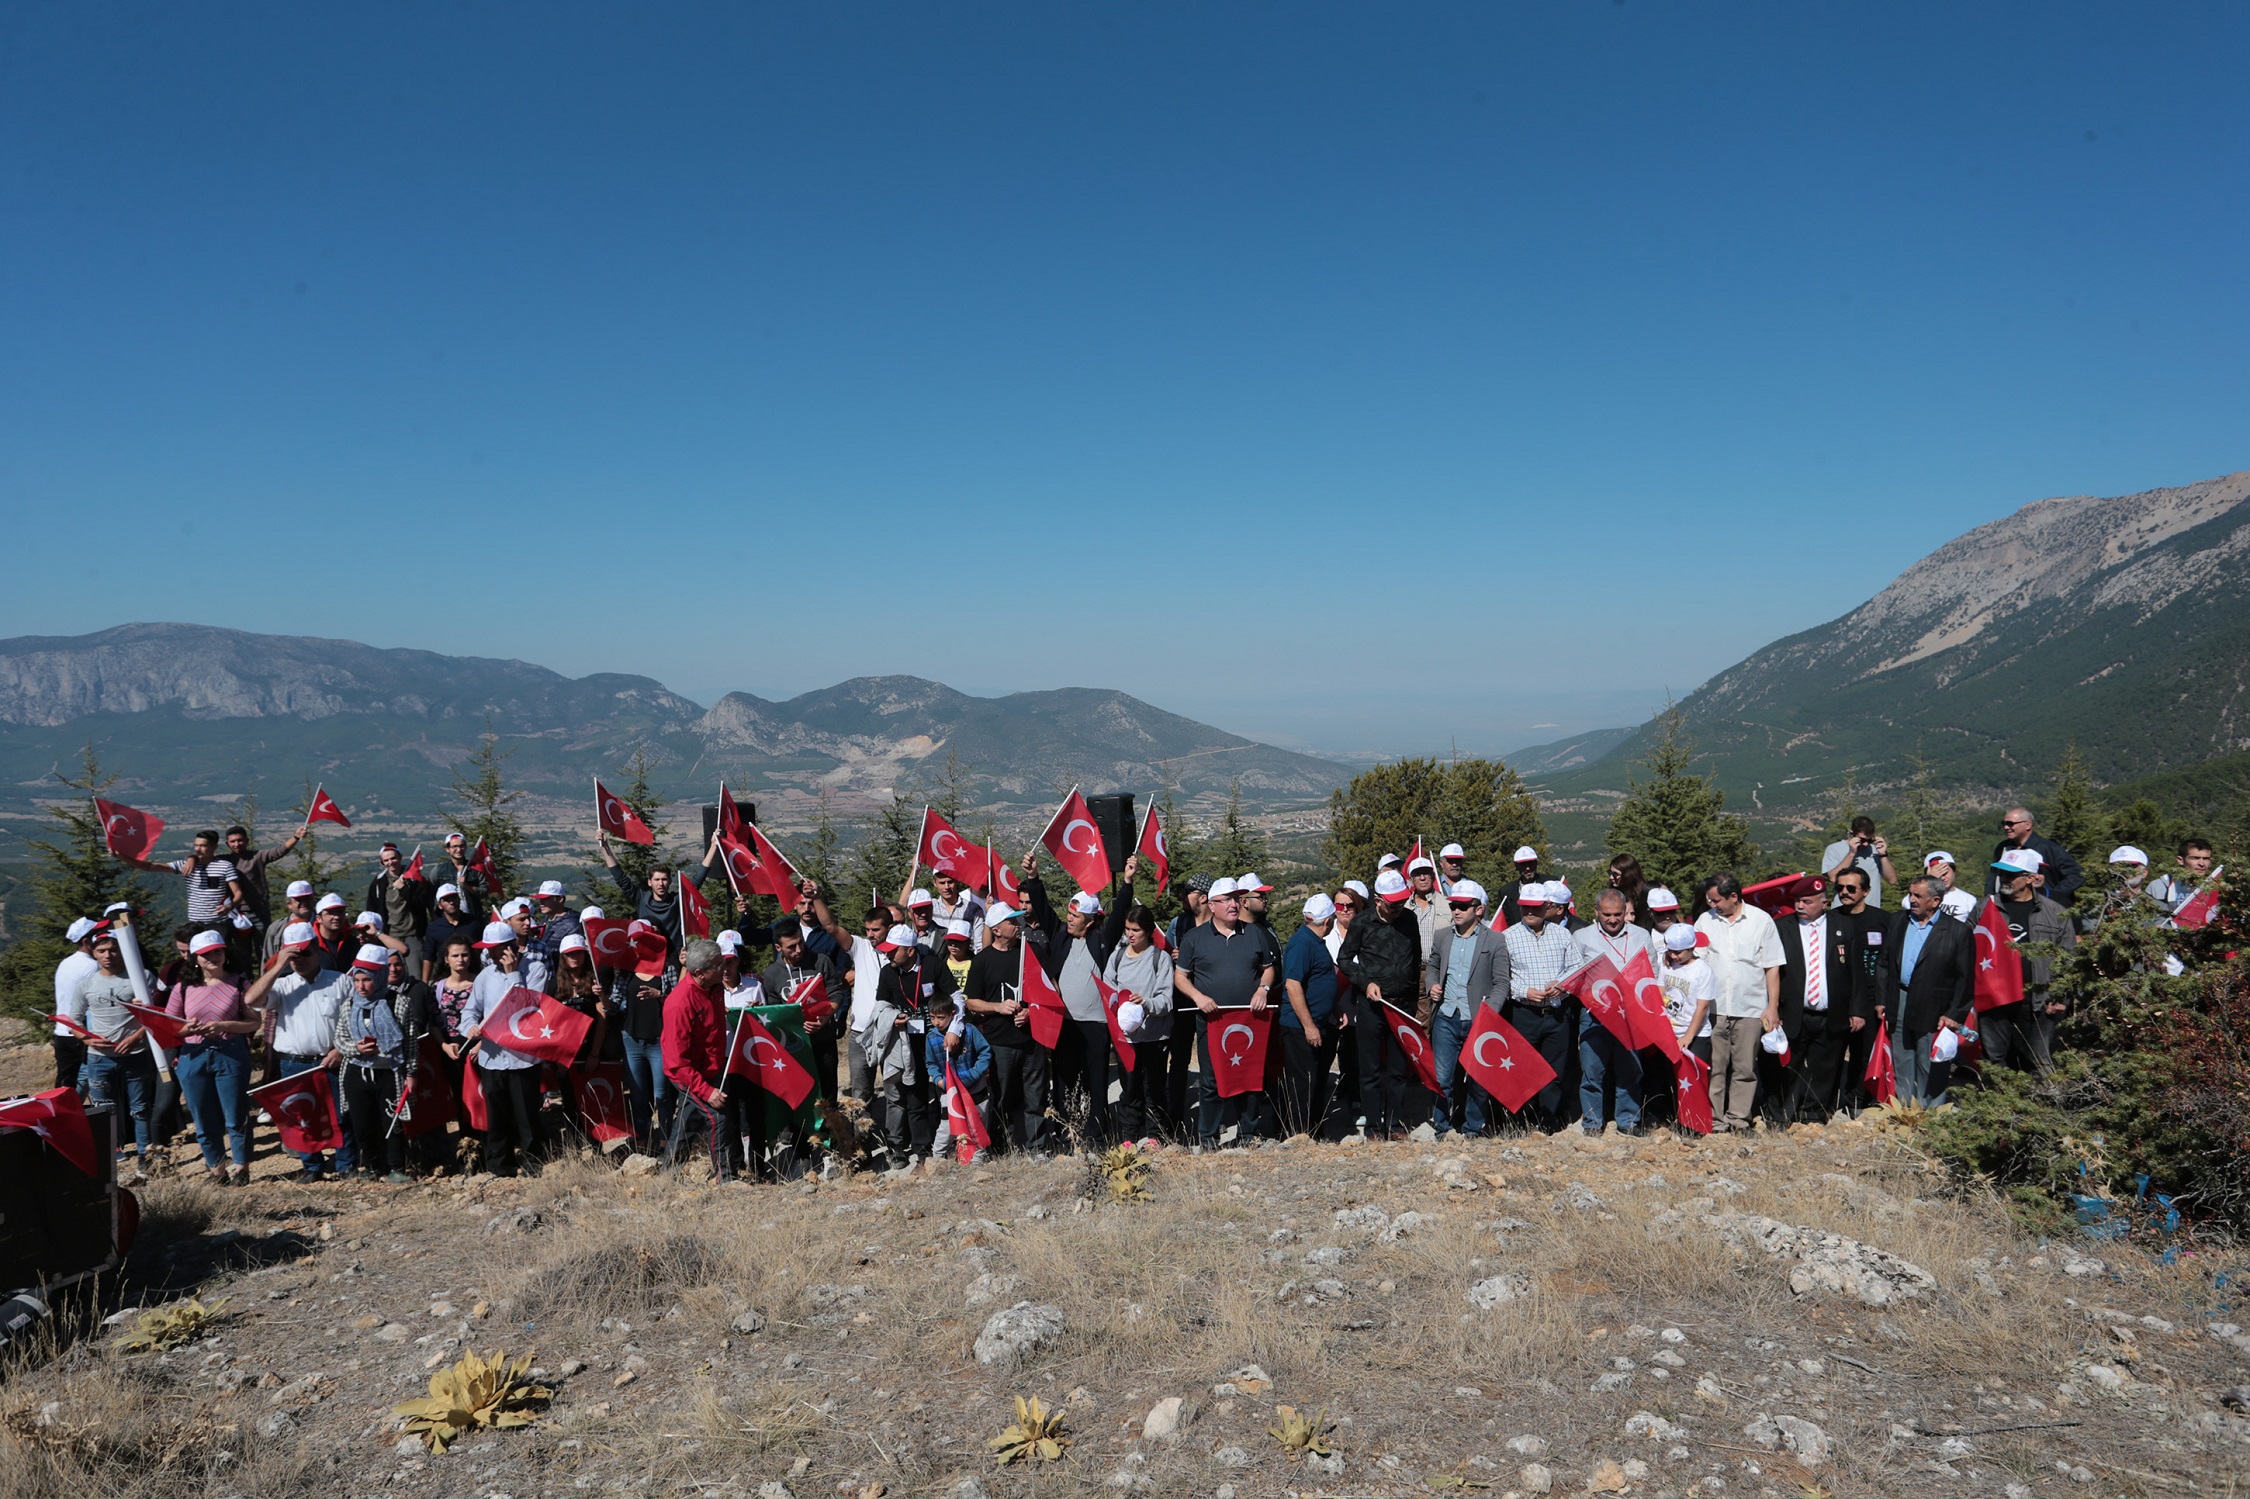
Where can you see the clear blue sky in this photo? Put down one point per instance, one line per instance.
(1360, 375)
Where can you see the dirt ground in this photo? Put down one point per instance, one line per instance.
(1520, 1315)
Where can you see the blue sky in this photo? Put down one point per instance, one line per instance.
(1364, 377)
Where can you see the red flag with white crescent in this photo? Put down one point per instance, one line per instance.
(756, 867)
(1502, 1062)
(695, 911)
(303, 1106)
(1154, 851)
(1040, 996)
(323, 808)
(602, 1106)
(1601, 989)
(943, 850)
(480, 860)
(1776, 897)
(731, 820)
(1000, 881)
(1644, 1007)
(1882, 1072)
(1691, 1076)
(1112, 997)
(473, 1111)
(965, 1118)
(811, 996)
(128, 832)
(413, 870)
(606, 935)
(426, 1104)
(532, 1024)
(166, 1030)
(57, 1116)
(757, 1054)
(619, 819)
(1999, 965)
(1414, 1041)
(1077, 844)
(2193, 915)
(1236, 1050)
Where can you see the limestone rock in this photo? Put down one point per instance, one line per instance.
(1010, 1336)
(1826, 1261)
(1499, 1290)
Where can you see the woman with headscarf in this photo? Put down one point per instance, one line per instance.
(375, 1042)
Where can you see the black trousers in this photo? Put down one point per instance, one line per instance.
(1391, 1094)
(823, 1044)
(1305, 1090)
(1175, 1063)
(1821, 1070)
(70, 1055)
(1139, 1111)
(1553, 1034)
(716, 1127)
(370, 1094)
(2014, 1036)
(511, 1111)
(1082, 1065)
(1015, 1098)
(910, 1106)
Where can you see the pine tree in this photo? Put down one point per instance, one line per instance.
(1676, 822)
(1917, 819)
(2074, 818)
(821, 856)
(1480, 804)
(73, 874)
(483, 797)
(1234, 847)
(949, 791)
(886, 848)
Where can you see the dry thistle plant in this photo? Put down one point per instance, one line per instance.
(1036, 1435)
(170, 1326)
(475, 1392)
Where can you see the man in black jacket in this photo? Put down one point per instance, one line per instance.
(1864, 925)
(1073, 949)
(1381, 961)
(793, 963)
(1925, 984)
(1820, 983)
(2056, 864)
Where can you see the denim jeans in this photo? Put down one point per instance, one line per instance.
(134, 1074)
(650, 1088)
(1448, 1033)
(1609, 1079)
(212, 1078)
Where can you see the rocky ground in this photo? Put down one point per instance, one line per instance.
(1806, 1315)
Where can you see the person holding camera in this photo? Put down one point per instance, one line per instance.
(1864, 851)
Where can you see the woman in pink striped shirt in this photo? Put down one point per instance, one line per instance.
(213, 1065)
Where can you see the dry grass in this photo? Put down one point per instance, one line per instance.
(110, 1431)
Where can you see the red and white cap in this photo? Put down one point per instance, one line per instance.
(1247, 884)
(368, 921)
(1526, 855)
(1388, 861)
(958, 930)
(1679, 937)
(448, 888)
(550, 889)
(576, 942)
(300, 889)
(330, 902)
(1086, 903)
(374, 957)
(919, 898)
(1221, 887)
(593, 913)
(1319, 907)
(1421, 864)
(297, 936)
(1453, 851)
(497, 934)
(1358, 888)
(203, 942)
(1391, 886)
(897, 939)
(1000, 912)
(1661, 899)
(1937, 856)
(1555, 893)
(729, 941)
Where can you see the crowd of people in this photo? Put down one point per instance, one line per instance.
(927, 1010)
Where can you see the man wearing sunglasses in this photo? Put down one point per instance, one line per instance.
(2056, 863)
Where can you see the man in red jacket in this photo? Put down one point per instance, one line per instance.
(695, 1061)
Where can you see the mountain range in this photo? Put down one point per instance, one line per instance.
(189, 712)
(2121, 624)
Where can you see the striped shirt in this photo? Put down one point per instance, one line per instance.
(1539, 960)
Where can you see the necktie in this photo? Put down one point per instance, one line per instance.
(1816, 969)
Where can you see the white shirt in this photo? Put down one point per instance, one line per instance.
(1594, 943)
(1685, 987)
(746, 994)
(867, 971)
(1740, 953)
(69, 974)
(1814, 934)
(304, 1012)
(1957, 903)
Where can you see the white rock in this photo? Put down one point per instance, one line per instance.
(1528, 1446)
(1826, 1261)
(969, 1486)
(1537, 1477)
(1654, 1427)
(1164, 1418)
(1499, 1290)
(1011, 1335)
(1327, 1254)
(748, 1321)
(1332, 1463)
(774, 1488)
(1230, 1457)
(1401, 1226)
(1610, 1383)
(1371, 1218)
(1422, 1134)
(2106, 1377)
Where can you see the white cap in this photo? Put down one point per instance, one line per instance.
(448, 888)
(497, 934)
(1388, 861)
(1001, 911)
(1421, 864)
(1221, 886)
(1774, 1042)
(593, 913)
(960, 931)
(1661, 899)
(2125, 853)
(729, 941)
(1466, 890)
(1319, 907)
(1086, 903)
(374, 956)
(517, 907)
(2019, 861)
(330, 902)
(369, 920)
(298, 934)
(1679, 937)
(550, 890)
(1944, 1048)
(1937, 856)
(1246, 884)
(1359, 888)
(1453, 851)
(576, 942)
(898, 937)
(299, 889)
(1527, 855)
(203, 942)
(81, 929)
(1557, 893)
(1130, 1015)
(1391, 886)
(920, 898)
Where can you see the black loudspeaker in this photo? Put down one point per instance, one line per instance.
(57, 1225)
(1113, 817)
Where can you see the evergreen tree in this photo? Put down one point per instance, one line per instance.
(1234, 847)
(1918, 817)
(73, 874)
(1676, 822)
(820, 856)
(1480, 804)
(2074, 818)
(482, 800)
(886, 847)
(949, 791)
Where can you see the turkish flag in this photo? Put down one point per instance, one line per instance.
(126, 831)
(1000, 881)
(611, 946)
(166, 1030)
(1691, 1077)
(811, 996)
(731, 821)
(1077, 844)
(756, 867)
(1412, 854)
(2192, 916)
(1999, 966)
(1235, 1050)
(945, 851)
(1039, 994)
(757, 1054)
(1414, 1041)
(619, 819)
(480, 860)
(58, 1117)
(1882, 1072)
(1772, 896)
(1502, 1062)
(1111, 999)
(695, 911)
(473, 1112)
(1601, 989)
(426, 1104)
(74, 1026)
(966, 1119)
(323, 808)
(1644, 1007)
(413, 870)
(303, 1106)
(602, 1105)
(1154, 851)
(532, 1024)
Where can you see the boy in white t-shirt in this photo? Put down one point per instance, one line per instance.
(1690, 989)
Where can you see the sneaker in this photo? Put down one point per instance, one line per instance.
(398, 1179)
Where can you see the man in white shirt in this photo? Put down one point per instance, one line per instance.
(1955, 902)
(1609, 1071)
(79, 966)
(864, 964)
(1745, 957)
(1866, 851)
(301, 1000)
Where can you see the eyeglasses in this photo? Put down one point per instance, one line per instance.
(2015, 822)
